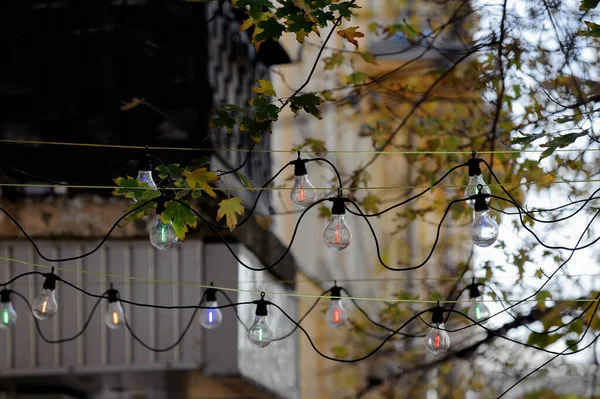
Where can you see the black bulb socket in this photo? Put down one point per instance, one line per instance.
(5, 296)
(160, 204)
(480, 202)
(437, 315)
(211, 295)
(261, 307)
(50, 281)
(474, 291)
(336, 293)
(473, 165)
(145, 162)
(113, 295)
(299, 167)
(338, 207)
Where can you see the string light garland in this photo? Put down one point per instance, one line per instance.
(484, 232)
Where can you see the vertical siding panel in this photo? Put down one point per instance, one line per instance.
(115, 339)
(68, 312)
(140, 316)
(189, 260)
(46, 356)
(163, 266)
(93, 349)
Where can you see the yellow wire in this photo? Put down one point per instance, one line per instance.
(290, 188)
(267, 293)
(134, 147)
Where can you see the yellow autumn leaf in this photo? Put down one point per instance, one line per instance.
(351, 34)
(266, 88)
(230, 208)
(201, 177)
(129, 105)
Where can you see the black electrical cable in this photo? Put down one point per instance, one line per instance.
(582, 336)
(552, 330)
(519, 207)
(234, 308)
(382, 326)
(414, 197)
(174, 344)
(301, 319)
(591, 198)
(437, 237)
(227, 172)
(62, 340)
(251, 211)
(545, 283)
(37, 250)
(535, 235)
(12, 280)
(350, 360)
(257, 269)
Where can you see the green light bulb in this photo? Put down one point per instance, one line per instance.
(9, 316)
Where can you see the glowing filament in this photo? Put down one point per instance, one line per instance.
(5, 319)
(302, 195)
(44, 306)
(437, 341)
(260, 334)
(336, 315)
(115, 318)
(477, 312)
(210, 316)
(337, 233)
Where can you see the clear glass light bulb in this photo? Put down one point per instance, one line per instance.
(8, 316)
(437, 340)
(260, 334)
(484, 231)
(336, 315)
(162, 236)
(44, 306)
(211, 318)
(472, 188)
(146, 177)
(478, 311)
(303, 193)
(337, 235)
(115, 315)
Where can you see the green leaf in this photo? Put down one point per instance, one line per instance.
(588, 4)
(200, 178)
(308, 103)
(356, 78)
(254, 128)
(315, 145)
(269, 29)
(140, 209)
(172, 171)
(301, 26)
(344, 9)
(324, 212)
(560, 142)
(334, 61)
(340, 352)
(254, 8)
(594, 30)
(370, 203)
(368, 57)
(245, 181)
(541, 298)
(266, 88)
(230, 208)
(134, 189)
(527, 139)
(264, 111)
(181, 215)
(223, 120)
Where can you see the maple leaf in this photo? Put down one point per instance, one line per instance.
(230, 208)
(201, 177)
(351, 34)
(307, 102)
(172, 171)
(370, 203)
(134, 189)
(181, 216)
(266, 88)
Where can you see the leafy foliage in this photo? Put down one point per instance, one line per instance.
(230, 208)
(181, 216)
